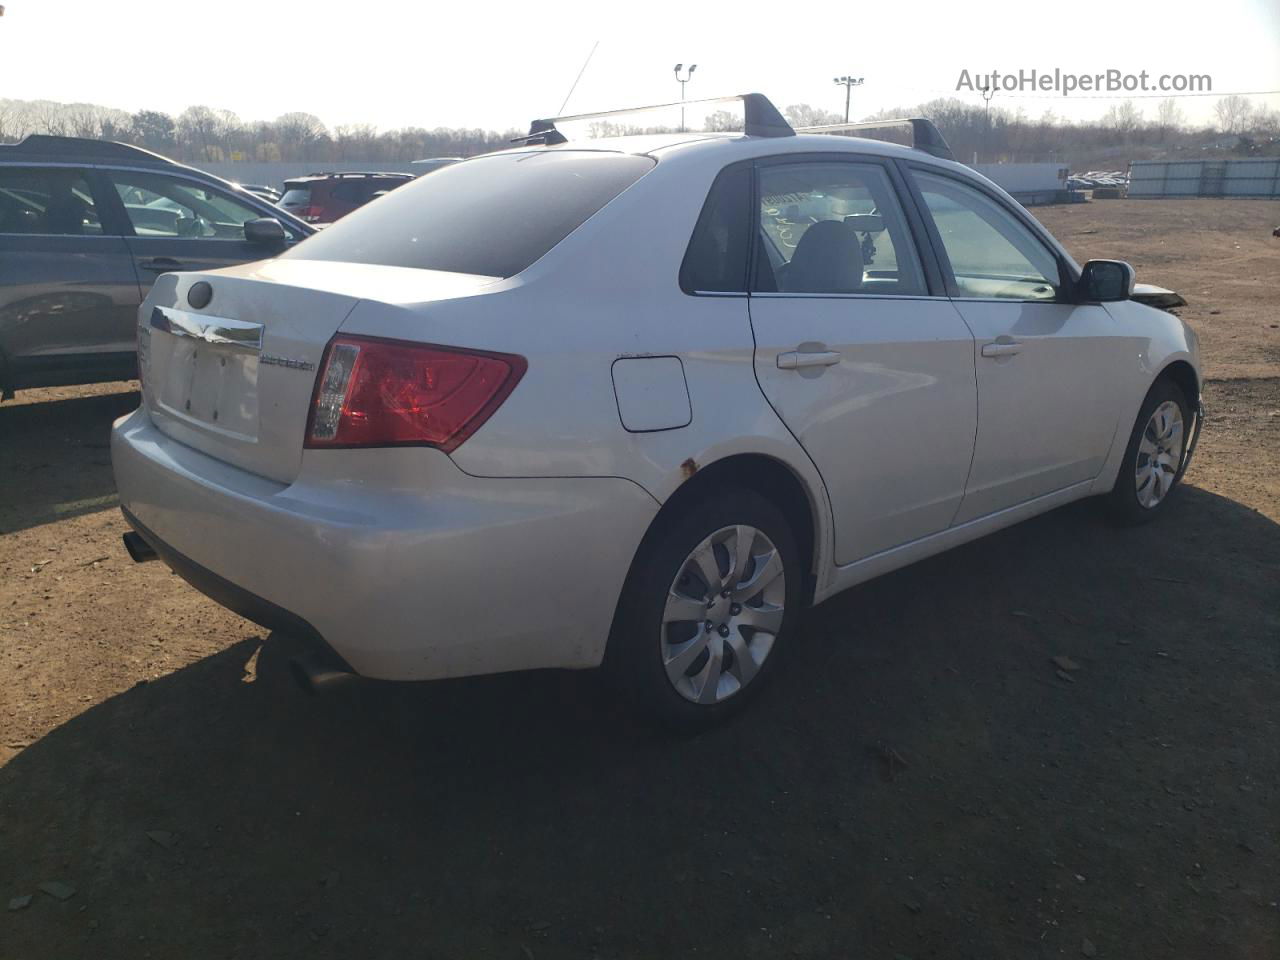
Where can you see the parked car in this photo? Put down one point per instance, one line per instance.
(326, 197)
(270, 194)
(85, 228)
(637, 403)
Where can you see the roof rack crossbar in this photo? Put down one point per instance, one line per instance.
(762, 118)
(924, 135)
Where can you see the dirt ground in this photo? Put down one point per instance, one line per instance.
(920, 782)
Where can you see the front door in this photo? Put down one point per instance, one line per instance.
(181, 224)
(1047, 367)
(872, 374)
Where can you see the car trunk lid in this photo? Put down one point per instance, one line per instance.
(235, 377)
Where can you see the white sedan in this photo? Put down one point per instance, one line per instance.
(636, 402)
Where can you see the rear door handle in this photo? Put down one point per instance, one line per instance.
(161, 264)
(796, 360)
(1001, 349)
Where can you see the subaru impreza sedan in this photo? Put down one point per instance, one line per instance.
(636, 403)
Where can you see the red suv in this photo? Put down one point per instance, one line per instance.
(324, 197)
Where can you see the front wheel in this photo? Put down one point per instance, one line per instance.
(1156, 456)
(706, 609)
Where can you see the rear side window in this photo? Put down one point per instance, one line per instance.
(716, 261)
(351, 191)
(492, 216)
(833, 228)
(47, 202)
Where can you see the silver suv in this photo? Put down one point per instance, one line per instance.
(85, 228)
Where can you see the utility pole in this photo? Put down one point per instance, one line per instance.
(848, 83)
(682, 81)
(988, 92)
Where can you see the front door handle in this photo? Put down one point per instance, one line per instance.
(1001, 348)
(161, 264)
(797, 360)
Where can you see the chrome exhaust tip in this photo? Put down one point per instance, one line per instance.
(314, 676)
(138, 548)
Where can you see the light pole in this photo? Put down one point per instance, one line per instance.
(682, 81)
(988, 92)
(848, 83)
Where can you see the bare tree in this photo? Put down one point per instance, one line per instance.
(299, 135)
(1123, 117)
(9, 131)
(1266, 121)
(50, 118)
(1233, 113)
(804, 115)
(1169, 117)
(153, 130)
(83, 120)
(204, 135)
(721, 121)
(355, 141)
(199, 130)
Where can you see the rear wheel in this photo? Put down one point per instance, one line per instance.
(1153, 462)
(706, 609)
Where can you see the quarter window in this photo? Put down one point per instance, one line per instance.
(716, 260)
(833, 228)
(160, 206)
(47, 202)
(992, 254)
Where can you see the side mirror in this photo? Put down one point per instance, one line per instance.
(267, 231)
(1105, 281)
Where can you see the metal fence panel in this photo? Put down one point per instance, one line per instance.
(1240, 177)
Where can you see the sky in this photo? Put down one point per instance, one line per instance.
(498, 65)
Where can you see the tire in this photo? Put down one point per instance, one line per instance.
(1131, 500)
(663, 661)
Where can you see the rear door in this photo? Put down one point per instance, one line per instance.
(868, 367)
(1048, 369)
(68, 293)
(184, 224)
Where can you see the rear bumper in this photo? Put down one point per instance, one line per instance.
(406, 567)
(236, 599)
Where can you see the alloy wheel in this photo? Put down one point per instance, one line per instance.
(723, 613)
(1159, 455)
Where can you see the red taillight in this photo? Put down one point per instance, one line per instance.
(311, 214)
(377, 393)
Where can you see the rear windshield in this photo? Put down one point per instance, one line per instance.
(296, 195)
(492, 216)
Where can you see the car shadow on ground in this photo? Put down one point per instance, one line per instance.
(55, 458)
(921, 780)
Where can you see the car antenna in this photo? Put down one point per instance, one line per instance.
(578, 77)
